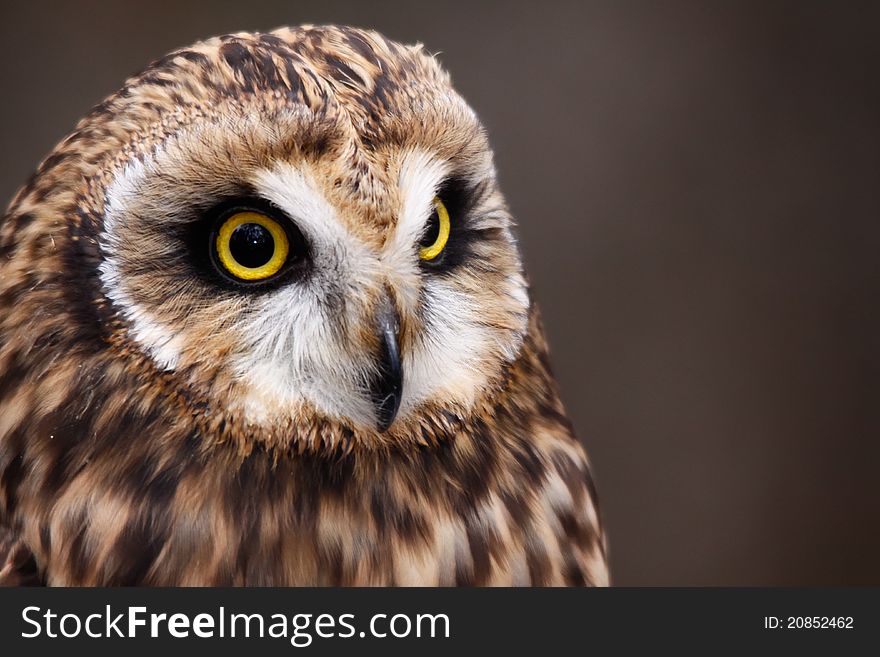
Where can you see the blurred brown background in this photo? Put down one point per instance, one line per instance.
(698, 189)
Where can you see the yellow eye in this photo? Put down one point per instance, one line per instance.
(438, 232)
(251, 246)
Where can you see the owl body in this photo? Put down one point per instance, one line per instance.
(265, 323)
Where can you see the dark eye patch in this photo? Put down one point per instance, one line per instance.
(460, 198)
(251, 244)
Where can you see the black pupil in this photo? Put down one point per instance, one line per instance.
(252, 245)
(432, 232)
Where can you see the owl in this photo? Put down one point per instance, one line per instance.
(265, 322)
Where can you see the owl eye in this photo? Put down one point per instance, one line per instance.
(251, 246)
(437, 233)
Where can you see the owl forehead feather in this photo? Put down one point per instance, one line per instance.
(364, 99)
(351, 80)
(311, 64)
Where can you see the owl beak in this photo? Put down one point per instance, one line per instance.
(387, 386)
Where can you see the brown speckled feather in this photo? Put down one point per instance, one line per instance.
(114, 470)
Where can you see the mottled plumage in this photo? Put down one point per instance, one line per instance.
(159, 426)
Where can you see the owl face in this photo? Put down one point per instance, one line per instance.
(312, 229)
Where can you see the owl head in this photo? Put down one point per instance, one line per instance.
(299, 234)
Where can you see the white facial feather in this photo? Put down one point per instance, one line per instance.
(162, 345)
(295, 352)
(419, 178)
(453, 346)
